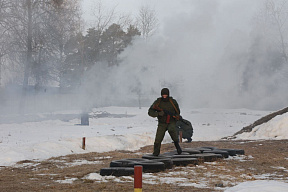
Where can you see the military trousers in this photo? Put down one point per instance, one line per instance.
(160, 133)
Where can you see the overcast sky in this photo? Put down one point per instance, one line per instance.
(232, 13)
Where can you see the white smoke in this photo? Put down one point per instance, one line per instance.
(200, 54)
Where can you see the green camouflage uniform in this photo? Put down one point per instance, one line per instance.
(162, 125)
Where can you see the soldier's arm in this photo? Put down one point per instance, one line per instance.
(152, 112)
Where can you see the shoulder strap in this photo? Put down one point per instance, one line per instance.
(158, 102)
(174, 106)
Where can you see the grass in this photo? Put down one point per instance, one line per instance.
(262, 160)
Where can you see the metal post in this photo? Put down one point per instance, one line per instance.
(137, 178)
(83, 143)
(84, 119)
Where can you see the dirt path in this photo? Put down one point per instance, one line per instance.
(263, 160)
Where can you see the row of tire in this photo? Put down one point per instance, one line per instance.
(151, 164)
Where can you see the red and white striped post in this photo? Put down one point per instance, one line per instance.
(137, 178)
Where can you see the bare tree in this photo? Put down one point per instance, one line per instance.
(61, 21)
(273, 24)
(147, 21)
(39, 29)
(279, 14)
(124, 21)
(29, 44)
(103, 16)
(266, 66)
(5, 7)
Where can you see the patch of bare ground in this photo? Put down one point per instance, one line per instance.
(262, 160)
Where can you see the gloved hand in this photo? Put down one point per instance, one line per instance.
(161, 113)
(179, 118)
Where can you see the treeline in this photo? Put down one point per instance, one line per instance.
(33, 37)
(42, 41)
(84, 51)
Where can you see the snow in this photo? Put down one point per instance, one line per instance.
(276, 128)
(39, 138)
(44, 135)
(259, 185)
(67, 180)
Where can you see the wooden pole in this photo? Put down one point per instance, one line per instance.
(83, 143)
(180, 136)
(137, 178)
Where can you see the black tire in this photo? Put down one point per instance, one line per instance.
(171, 153)
(191, 151)
(122, 163)
(151, 166)
(232, 152)
(126, 162)
(183, 156)
(185, 161)
(117, 171)
(240, 151)
(150, 156)
(207, 157)
(201, 149)
(224, 154)
(167, 162)
(210, 148)
(136, 159)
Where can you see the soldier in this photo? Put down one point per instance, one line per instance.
(166, 109)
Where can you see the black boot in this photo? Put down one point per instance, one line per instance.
(157, 147)
(179, 150)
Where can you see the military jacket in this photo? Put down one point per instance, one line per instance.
(165, 105)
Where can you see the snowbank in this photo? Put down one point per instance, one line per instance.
(276, 128)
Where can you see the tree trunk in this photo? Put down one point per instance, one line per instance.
(29, 46)
(139, 100)
(28, 61)
(38, 70)
(0, 71)
(282, 40)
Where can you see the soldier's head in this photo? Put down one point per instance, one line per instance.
(165, 93)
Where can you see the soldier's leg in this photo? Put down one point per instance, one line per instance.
(160, 133)
(174, 136)
(173, 132)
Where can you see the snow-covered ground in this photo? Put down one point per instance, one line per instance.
(41, 136)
